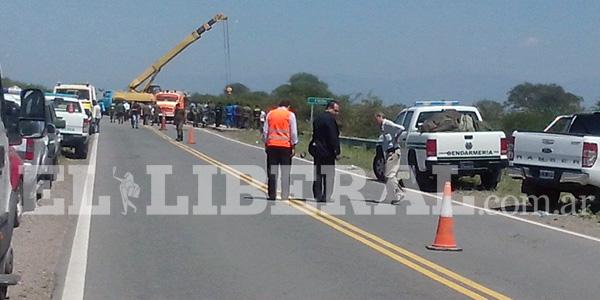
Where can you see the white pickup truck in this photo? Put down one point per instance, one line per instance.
(76, 132)
(562, 158)
(481, 153)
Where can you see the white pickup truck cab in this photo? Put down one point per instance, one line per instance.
(481, 153)
(562, 158)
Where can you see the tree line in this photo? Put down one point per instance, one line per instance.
(528, 106)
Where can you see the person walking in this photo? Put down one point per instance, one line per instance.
(280, 134)
(157, 115)
(111, 112)
(127, 108)
(218, 115)
(256, 117)
(179, 120)
(146, 113)
(325, 149)
(120, 112)
(97, 115)
(391, 147)
(135, 111)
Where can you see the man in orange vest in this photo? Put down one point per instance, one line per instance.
(280, 134)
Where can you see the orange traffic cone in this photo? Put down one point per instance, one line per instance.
(191, 138)
(163, 124)
(444, 238)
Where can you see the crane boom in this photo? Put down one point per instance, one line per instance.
(150, 73)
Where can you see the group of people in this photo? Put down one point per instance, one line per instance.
(230, 115)
(280, 134)
(122, 112)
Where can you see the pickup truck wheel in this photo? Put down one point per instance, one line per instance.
(490, 179)
(81, 151)
(379, 165)
(422, 178)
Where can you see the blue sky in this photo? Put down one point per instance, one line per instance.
(399, 50)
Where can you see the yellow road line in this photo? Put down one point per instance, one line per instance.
(360, 235)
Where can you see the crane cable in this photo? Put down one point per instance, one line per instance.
(227, 50)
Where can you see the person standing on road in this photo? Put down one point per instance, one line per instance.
(127, 108)
(280, 134)
(179, 120)
(120, 112)
(97, 115)
(218, 115)
(136, 109)
(146, 113)
(263, 117)
(111, 112)
(391, 146)
(256, 117)
(325, 149)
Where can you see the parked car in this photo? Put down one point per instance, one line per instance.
(481, 153)
(562, 158)
(41, 155)
(16, 124)
(76, 132)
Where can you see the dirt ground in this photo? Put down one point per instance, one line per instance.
(41, 244)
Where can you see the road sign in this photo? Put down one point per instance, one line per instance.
(318, 101)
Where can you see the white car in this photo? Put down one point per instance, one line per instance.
(481, 153)
(76, 132)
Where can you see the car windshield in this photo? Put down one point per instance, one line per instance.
(80, 93)
(166, 98)
(61, 104)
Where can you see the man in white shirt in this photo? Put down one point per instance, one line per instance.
(97, 115)
(391, 147)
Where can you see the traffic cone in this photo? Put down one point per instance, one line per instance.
(444, 238)
(163, 124)
(191, 137)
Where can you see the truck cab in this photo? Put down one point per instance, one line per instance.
(85, 92)
(169, 100)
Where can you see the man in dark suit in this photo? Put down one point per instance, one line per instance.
(325, 148)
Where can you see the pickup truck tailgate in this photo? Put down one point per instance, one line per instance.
(74, 122)
(471, 145)
(548, 150)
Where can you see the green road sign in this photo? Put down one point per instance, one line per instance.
(318, 101)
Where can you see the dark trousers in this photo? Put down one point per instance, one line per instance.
(324, 178)
(179, 126)
(279, 158)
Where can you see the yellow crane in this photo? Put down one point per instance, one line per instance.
(145, 79)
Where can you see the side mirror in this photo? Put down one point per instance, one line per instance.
(60, 124)
(51, 128)
(32, 120)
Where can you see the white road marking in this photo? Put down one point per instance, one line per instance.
(75, 279)
(491, 212)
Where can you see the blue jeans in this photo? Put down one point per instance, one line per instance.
(135, 118)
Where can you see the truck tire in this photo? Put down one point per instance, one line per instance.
(490, 179)
(81, 151)
(379, 165)
(541, 198)
(423, 179)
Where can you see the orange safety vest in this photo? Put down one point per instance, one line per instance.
(279, 134)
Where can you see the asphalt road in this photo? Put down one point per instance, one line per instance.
(301, 253)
